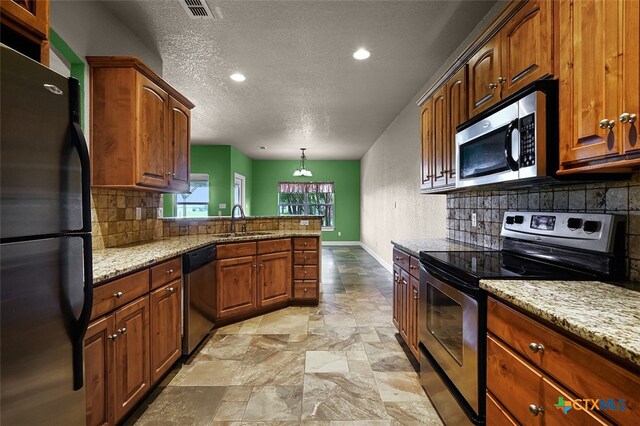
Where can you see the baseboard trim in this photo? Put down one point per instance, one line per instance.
(373, 254)
(340, 243)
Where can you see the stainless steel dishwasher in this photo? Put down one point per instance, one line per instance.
(198, 267)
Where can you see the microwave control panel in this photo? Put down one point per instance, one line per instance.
(528, 140)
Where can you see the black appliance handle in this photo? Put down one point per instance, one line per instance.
(513, 164)
(80, 143)
(82, 322)
(451, 279)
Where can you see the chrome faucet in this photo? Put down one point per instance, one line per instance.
(234, 219)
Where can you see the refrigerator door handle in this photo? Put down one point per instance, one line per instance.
(85, 316)
(80, 144)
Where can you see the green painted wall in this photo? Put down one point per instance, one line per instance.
(242, 165)
(345, 174)
(77, 66)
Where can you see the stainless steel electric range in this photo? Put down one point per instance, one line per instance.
(452, 316)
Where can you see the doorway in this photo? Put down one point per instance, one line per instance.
(239, 191)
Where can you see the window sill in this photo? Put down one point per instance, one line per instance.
(328, 229)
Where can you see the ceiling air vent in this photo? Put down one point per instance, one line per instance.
(197, 9)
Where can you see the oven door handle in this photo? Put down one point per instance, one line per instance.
(513, 164)
(451, 280)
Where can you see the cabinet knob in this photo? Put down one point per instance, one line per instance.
(112, 337)
(305, 289)
(493, 86)
(398, 258)
(536, 347)
(535, 410)
(170, 271)
(607, 124)
(412, 267)
(502, 80)
(305, 257)
(168, 174)
(117, 295)
(173, 175)
(403, 280)
(625, 117)
(170, 289)
(415, 294)
(122, 330)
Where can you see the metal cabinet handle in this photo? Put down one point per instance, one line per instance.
(493, 86)
(112, 337)
(535, 410)
(122, 330)
(412, 267)
(403, 281)
(415, 294)
(168, 174)
(169, 271)
(173, 175)
(607, 124)
(118, 295)
(502, 80)
(536, 347)
(628, 118)
(170, 289)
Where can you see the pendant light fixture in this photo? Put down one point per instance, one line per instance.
(302, 171)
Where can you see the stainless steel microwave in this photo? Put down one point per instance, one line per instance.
(516, 140)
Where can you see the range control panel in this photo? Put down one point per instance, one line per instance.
(581, 230)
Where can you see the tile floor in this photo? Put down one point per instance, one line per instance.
(337, 363)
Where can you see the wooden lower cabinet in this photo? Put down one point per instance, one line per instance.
(274, 278)
(99, 370)
(406, 295)
(165, 328)
(236, 286)
(413, 297)
(397, 296)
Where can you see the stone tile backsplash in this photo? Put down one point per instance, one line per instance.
(490, 205)
(174, 227)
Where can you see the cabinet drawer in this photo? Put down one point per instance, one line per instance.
(497, 415)
(305, 258)
(401, 259)
(512, 381)
(305, 289)
(166, 272)
(116, 293)
(581, 370)
(414, 267)
(236, 250)
(274, 246)
(551, 392)
(309, 243)
(306, 272)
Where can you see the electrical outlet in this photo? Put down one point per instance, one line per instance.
(219, 212)
(339, 234)
(159, 212)
(304, 222)
(138, 213)
(474, 220)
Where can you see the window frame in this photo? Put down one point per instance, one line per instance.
(306, 205)
(177, 204)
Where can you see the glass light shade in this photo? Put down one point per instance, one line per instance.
(298, 172)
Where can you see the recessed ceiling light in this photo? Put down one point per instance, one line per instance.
(237, 77)
(262, 147)
(361, 54)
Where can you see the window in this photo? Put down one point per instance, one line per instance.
(239, 191)
(194, 203)
(307, 198)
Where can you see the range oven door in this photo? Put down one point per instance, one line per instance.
(449, 330)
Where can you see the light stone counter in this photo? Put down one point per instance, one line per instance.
(414, 247)
(604, 314)
(112, 262)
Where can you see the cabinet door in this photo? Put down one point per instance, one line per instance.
(274, 278)
(179, 135)
(235, 279)
(99, 367)
(165, 328)
(397, 296)
(412, 314)
(527, 46)
(440, 137)
(631, 75)
(152, 129)
(31, 15)
(484, 70)
(426, 133)
(589, 74)
(458, 114)
(404, 297)
(132, 355)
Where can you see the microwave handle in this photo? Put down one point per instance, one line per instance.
(513, 164)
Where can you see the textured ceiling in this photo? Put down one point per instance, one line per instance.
(303, 87)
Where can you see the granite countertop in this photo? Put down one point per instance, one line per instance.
(205, 218)
(112, 262)
(604, 314)
(414, 247)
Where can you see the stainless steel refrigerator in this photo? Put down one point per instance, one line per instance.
(45, 245)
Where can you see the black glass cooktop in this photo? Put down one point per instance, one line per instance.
(498, 265)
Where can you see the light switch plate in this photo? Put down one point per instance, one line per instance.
(222, 206)
(304, 222)
(138, 213)
(474, 220)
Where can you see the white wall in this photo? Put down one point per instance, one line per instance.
(391, 204)
(92, 30)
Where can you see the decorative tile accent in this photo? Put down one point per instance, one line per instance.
(611, 197)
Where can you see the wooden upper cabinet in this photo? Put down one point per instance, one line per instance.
(440, 137)
(458, 114)
(484, 71)
(152, 110)
(140, 128)
(426, 136)
(29, 19)
(274, 278)
(527, 46)
(630, 78)
(178, 154)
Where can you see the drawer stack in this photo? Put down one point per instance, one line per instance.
(306, 269)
